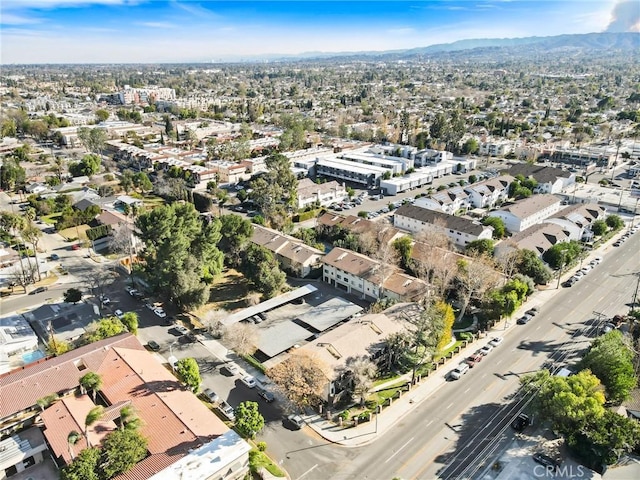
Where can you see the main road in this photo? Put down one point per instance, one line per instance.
(435, 439)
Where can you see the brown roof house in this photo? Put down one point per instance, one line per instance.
(293, 254)
(371, 279)
(178, 426)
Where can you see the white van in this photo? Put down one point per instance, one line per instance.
(460, 370)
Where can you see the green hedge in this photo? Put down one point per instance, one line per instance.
(98, 232)
(301, 217)
(250, 359)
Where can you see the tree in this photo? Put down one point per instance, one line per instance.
(614, 222)
(611, 360)
(57, 347)
(301, 378)
(92, 417)
(142, 182)
(530, 265)
(91, 382)
(83, 467)
(121, 450)
(361, 371)
(181, 257)
(92, 139)
(72, 438)
(263, 270)
(599, 227)
(404, 247)
(474, 278)
(445, 324)
(562, 254)
(249, 421)
(277, 184)
(130, 320)
(569, 403)
(89, 165)
(241, 337)
(189, 372)
(606, 439)
(497, 223)
(72, 295)
(129, 419)
(105, 328)
(235, 232)
(126, 180)
(46, 402)
(480, 247)
(12, 175)
(102, 115)
(33, 235)
(470, 147)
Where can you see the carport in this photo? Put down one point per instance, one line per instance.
(329, 313)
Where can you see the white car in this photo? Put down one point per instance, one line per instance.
(104, 300)
(160, 312)
(494, 342)
(118, 313)
(460, 370)
(486, 350)
(249, 381)
(130, 290)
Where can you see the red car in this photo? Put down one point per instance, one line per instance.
(75, 246)
(473, 359)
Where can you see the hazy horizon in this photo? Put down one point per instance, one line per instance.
(173, 31)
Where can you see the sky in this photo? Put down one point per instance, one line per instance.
(157, 31)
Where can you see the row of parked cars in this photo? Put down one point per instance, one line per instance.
(474, 359)
(582, 272)
(625, 236)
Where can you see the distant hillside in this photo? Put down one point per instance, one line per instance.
(491, 48)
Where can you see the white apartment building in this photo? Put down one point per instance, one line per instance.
(323, 193)
(495, 149)
(528, 212)
(490, 192)
(460, 231)
(446, 201)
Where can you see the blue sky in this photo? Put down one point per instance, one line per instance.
(149, 31)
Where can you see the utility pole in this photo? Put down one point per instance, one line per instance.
(635, 294)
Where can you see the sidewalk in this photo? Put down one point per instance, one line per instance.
(368, 432)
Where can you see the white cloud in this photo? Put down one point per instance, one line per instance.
(156, 24)
(12, 19)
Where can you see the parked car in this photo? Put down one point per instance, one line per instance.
(104, 299)
(249, 381)
(232, 368)
(524, 319)
(227, 410)
(132, 292)
(181, 329)
(210, 395)
(159, 311)
(129, 289)
(460, 370)
(266, 395)
(495, 341)
(75, 246)
(473, 359)
(296, 421)
(618, 243)
(38, 290)
(118, 313)
(545, 460)
(521, 422)
(55, 256)
(486, 350)
(153, 345)
(532, 311)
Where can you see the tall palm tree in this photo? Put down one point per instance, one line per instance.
(92, 417)
(72, 439)
(91, 382)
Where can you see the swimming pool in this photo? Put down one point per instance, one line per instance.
(30, 357)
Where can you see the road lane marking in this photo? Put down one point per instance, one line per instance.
(449, 406)
(467, 390)
(308, 471)
(430, 422)
(398, 451)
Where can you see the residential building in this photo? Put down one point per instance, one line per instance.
(577, 219)
(603, 158)
(366, 175)
(360, 337)
(409, 181)
(495, 148)
(17, 342)
(367, 230)
(550, 179)
(322, 194)
(447, 201)
(293, 254)
(524, 213)
(371, 279)
(489, 193)
(175, 423)
(228, 172)
(459, 230)
(538, 238)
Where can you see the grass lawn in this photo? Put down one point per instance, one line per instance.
(151, 201)
(51, 219)
(229, 291)
(72, 232)
(381, 396)
(258, 459)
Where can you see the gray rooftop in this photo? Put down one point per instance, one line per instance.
(275, 338)
(329, 313)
